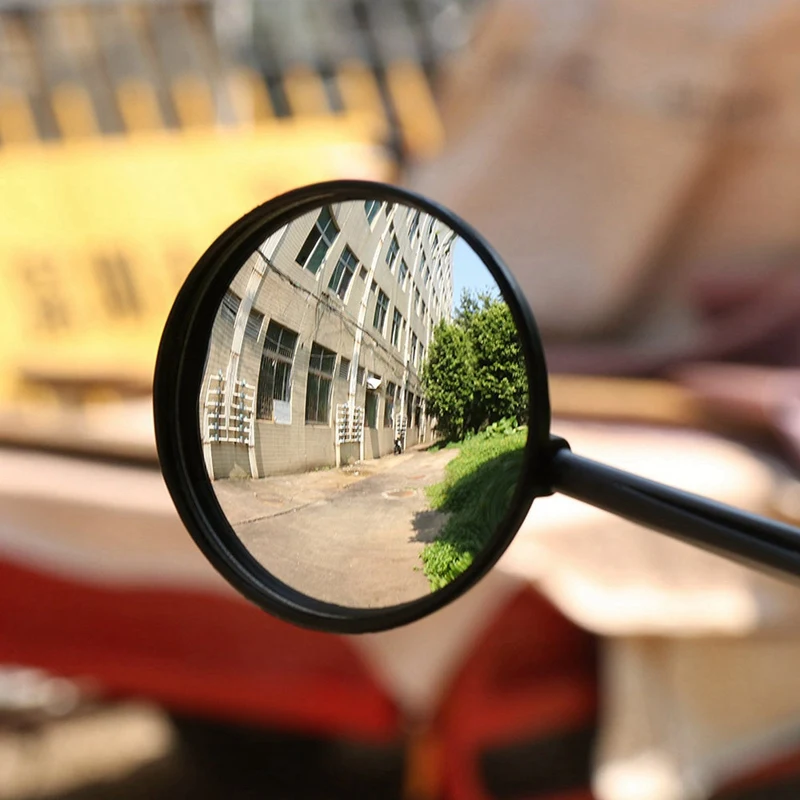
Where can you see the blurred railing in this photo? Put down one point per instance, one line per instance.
(72, 69)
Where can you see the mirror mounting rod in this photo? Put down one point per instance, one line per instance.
(719, 528)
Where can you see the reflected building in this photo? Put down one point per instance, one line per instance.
(318, 345)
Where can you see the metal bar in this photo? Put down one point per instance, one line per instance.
(756, 541)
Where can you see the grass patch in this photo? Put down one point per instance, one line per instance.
(477, 490)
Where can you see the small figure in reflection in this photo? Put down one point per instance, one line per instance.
(398, 444)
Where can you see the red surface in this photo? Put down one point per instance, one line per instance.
(191, 651)
(531, 674)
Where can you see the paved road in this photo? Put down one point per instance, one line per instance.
(349, 536)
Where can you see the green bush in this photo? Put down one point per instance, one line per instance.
(503, 427)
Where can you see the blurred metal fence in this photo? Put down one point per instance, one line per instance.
(73, 69)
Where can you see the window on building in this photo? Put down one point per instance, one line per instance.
(397, 327)
(362, 273)
(320, 379)
(344, 369)
(391, 253)
(417, 299)
(371, 409)
(381, 310)
(421, 355)
(413, 227)
(402, 274)
(321, 359)
(388, 409)
(371, 209)
(318, 242)
(389, 207)
(274, 377)
(360, 376)
(254, 323)
(423, 311)
(409, 409)
(435, 241)
(118, 284)
(427, 276)
(414, 349)
(343, 273)
(230, 307)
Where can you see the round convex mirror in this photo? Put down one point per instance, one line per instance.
(363, 413)
(352, 415)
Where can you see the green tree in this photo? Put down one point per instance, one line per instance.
(448, 379)
(501, 385)
(475, 371)
(472, 304)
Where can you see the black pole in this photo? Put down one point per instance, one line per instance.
(756, 541)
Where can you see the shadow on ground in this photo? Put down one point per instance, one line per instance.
(428, 526)
(475, 504)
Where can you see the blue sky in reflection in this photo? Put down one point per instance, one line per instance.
(469, 272)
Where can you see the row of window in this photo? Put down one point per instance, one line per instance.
(399, 326)
(275, 373)
(321, 238)
(230, 307)
(413, 407)
(402, 274)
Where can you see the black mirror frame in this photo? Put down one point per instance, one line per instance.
(177, 388)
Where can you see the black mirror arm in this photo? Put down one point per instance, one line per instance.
(724, 530)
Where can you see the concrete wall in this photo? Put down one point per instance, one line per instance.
(274, 287)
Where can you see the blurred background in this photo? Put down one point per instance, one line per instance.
(638, 167)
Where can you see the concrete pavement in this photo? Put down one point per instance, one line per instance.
(350, 536)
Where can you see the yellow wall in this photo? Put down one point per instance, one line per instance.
(153, 202)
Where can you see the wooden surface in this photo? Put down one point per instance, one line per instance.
(624, 400)
(617, 578)
(122, 430)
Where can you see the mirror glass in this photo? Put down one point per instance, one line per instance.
(363, 406)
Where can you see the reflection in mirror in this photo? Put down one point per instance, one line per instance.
(364, 403)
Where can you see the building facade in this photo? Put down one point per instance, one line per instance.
(318, 345)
